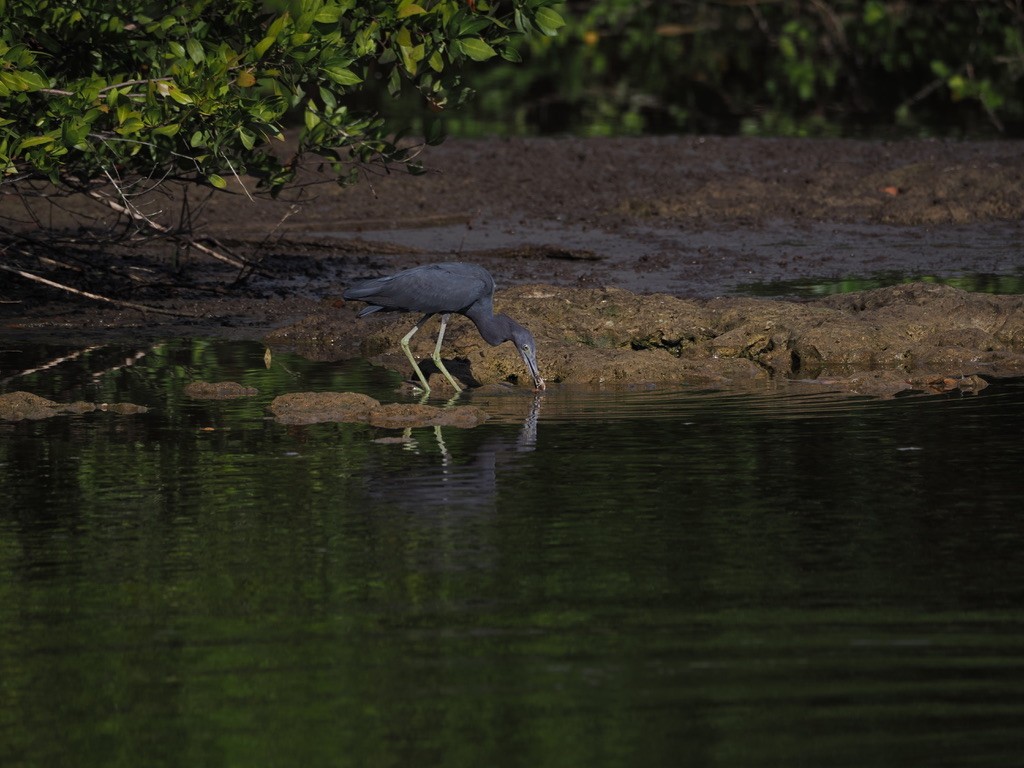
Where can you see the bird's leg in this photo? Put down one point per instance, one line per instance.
(437, 355)
(445, 456)
(408, 442)
(408, 352)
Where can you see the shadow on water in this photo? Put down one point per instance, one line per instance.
(593, 577)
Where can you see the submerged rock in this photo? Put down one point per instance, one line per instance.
(317, 407)
(219, 390)
(123, 409)
(401, 415)
(16, 406)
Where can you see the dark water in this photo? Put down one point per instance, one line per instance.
(606, 578)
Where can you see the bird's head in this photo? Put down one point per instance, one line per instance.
(527, 349)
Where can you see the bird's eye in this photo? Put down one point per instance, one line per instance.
(526, 347)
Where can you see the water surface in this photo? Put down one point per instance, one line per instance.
(600, 577)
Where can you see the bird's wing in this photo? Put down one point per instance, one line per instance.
(456, 287)
(432, 288)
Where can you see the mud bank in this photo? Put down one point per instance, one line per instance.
(633, 261)
(916, 336)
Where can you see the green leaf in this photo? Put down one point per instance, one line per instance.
(124, 111)
(247, 137)
(549, 21)
(195, 50)
(342, 75)
(522, 23)
(22, 81)
(179, 95)
(474, 25)
(278, 24)
(33, 81)
(410, 10)
(475, 48)
(411, 57)
(130, 126)
(35, 141)
(263, 45)
(272, 34)
(217, 181)
(330, 14)
(327, 97)
(74, 131)
(167, 130)
(511, 54)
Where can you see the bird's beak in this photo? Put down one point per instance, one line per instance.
(531, 363)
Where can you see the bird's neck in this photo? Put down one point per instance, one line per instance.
(494, 329)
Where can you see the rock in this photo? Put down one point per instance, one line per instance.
(220, 390)
(317, 407)
(401, 415)
(16, 406)
(614, 337)
(80, 406)
(124, 409)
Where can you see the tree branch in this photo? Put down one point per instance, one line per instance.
(95, 296)
(137, 215)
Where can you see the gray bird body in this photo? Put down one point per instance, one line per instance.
(446, 289)
(431, 288)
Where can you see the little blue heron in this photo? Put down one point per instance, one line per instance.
(444, 289)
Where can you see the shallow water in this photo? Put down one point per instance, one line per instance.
(597, 577)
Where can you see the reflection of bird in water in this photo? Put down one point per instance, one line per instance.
(465, 289)
(527, 435)
(456, 482)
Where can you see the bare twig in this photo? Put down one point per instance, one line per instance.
(137, 215)
(62, 92)
(94, 296)
(244, 275)
(239, 179)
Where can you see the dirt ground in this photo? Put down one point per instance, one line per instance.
(633, 261)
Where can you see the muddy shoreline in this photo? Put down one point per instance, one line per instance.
(632, 260)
